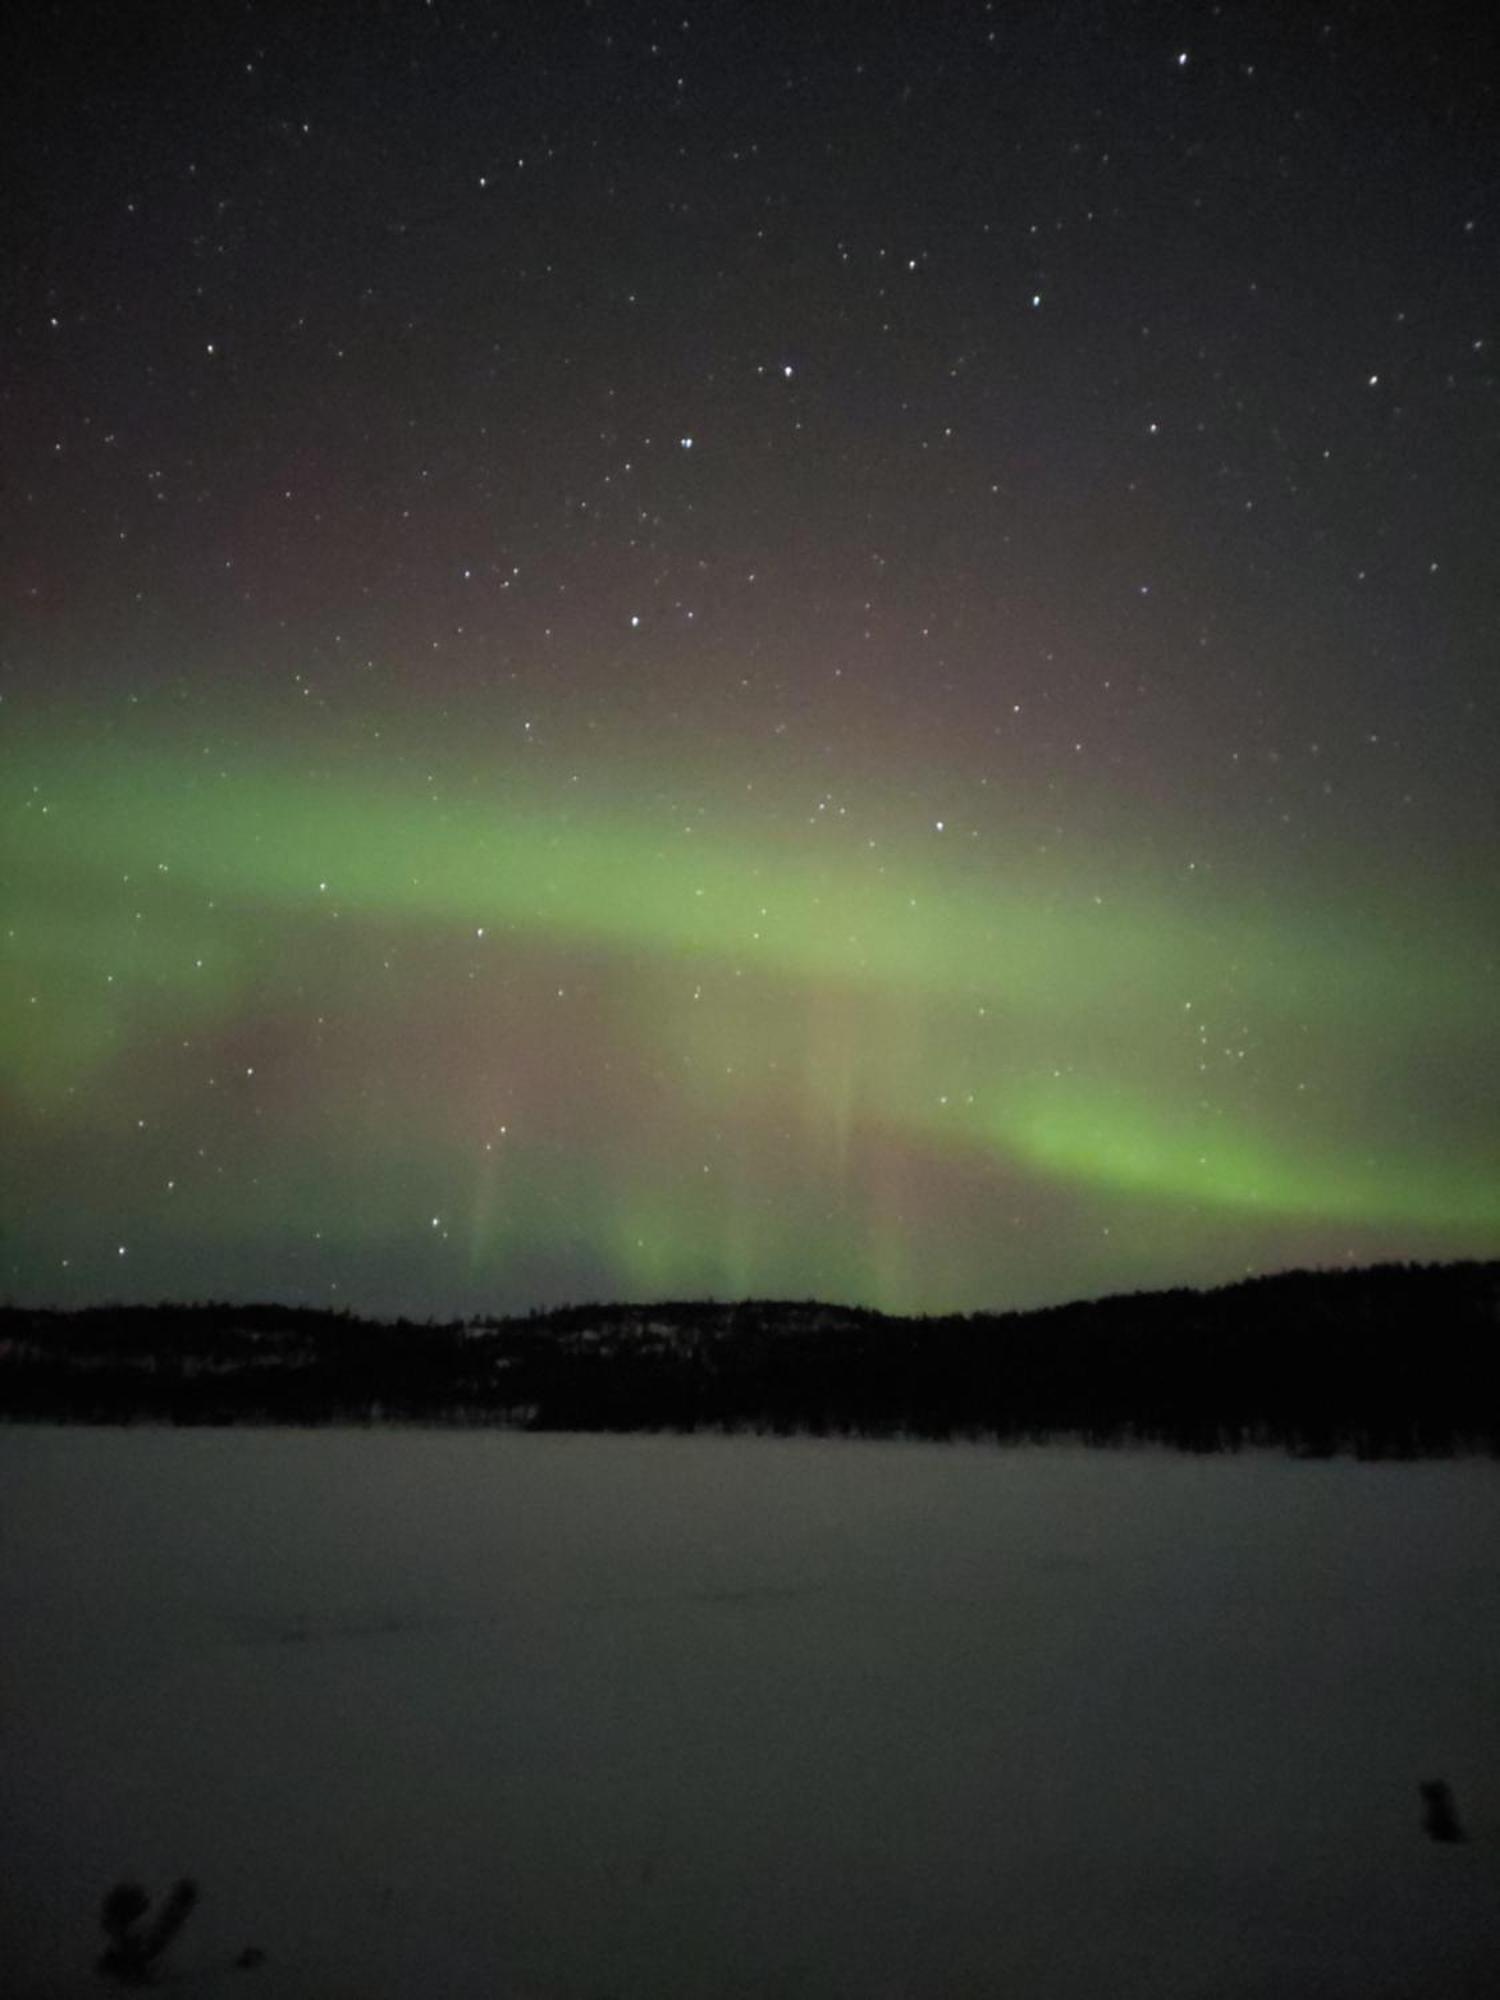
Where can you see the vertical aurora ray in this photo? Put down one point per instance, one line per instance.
(631, 661)
(510, 1047)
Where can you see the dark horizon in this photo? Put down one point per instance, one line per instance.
(562, 1308)
(1400, 1361)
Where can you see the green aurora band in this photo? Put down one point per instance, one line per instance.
(788, 1066)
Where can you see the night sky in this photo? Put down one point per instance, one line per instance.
(817, 651)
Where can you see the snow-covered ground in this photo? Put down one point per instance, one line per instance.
(466, 1714)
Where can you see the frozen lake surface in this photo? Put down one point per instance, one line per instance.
(476, 1714)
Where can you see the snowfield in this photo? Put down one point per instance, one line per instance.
(560, 1718)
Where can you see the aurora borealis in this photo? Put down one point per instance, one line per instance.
(837, 655)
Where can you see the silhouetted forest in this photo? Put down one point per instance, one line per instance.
(1396, 1361)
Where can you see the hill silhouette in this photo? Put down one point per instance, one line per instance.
(1397, 1360)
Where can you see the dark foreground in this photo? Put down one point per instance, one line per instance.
(496, 1716)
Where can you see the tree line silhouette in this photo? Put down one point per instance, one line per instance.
(1393, 1361)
